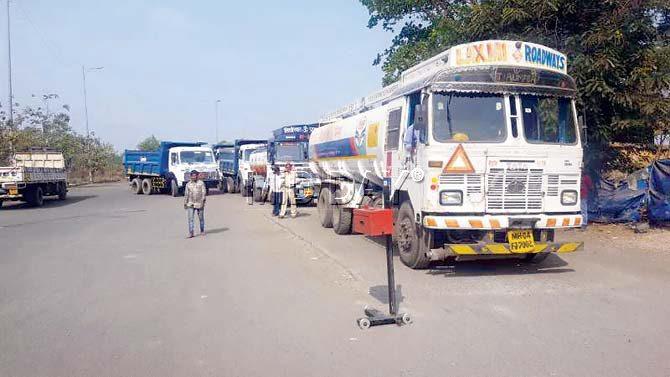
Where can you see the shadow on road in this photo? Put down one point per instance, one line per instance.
(381, 293)
(217, 230)
(48, 203)
(552, 265)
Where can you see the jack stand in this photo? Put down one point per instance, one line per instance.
(379, 222)
(374, 317)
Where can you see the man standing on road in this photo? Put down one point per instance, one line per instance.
(195, 196)
(289, 191)
(276, 186)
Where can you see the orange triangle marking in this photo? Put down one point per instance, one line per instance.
(459, 162)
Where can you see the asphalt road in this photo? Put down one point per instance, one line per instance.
(105, 284)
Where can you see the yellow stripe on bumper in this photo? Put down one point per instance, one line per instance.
(570, 247)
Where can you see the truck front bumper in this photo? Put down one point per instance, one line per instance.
(500, 222)
(10, 191)
(484, 248)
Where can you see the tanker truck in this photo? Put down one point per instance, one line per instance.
(479, 147)
(287, 144)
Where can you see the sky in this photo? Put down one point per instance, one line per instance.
(272, 63)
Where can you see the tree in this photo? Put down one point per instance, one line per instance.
(149, 144)
(618, 50)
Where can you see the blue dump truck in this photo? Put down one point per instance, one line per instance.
(287, 144)
(233, 160)
(167, 169)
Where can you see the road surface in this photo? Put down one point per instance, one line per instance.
(106, 284)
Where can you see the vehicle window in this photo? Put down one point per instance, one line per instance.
(468, 118)
(173, 158)
(226, 155)
(393, 129)
(195, 157)
(548, 120)
(289, 152)
(246, 155)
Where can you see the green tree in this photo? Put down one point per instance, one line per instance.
(149, 144)
(618, 50)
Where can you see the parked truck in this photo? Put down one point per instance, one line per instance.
(34, 174)
(287, 144)
(167, 169)
(233, 160)
(478, 146)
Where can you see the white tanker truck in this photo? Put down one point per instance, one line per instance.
(480, 148)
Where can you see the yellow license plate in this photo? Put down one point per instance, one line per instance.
(13, 192)
(308, 192)
(521, 241)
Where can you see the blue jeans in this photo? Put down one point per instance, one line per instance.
(585, 212)
(201, 216)
(276, 207)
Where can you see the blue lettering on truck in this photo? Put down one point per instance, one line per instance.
(541, 56)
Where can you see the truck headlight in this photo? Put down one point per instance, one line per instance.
(569, 197)
(451, 198)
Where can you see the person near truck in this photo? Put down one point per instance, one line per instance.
(275, 183)
(288, 191)
(195, 196)
(586, 190)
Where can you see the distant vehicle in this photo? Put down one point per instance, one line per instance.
(167, 169)
(233, 160)
(33, 175)
(287, 144)
(478, 146)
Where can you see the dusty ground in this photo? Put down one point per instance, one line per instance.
(105, 284)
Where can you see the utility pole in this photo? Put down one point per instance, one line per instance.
(83, 76)
(9, 68)
(216, 124)
(11, 90)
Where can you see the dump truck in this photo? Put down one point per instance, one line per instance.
(33, 175)
(479, 147)
(233, 160)
(167, 169)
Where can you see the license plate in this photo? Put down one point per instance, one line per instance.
(13, 192)
(521, 241)
(308, 192)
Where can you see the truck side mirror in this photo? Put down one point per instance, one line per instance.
(421, 118)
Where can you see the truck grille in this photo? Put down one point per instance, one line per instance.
(516, 190)
(472, 182)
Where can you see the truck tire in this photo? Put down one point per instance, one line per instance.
(342, 218)
(35, 197)
(325, 208)
(62, 191)
(411, 240)
(243, 188)
(146, 186)
(136, 186)
(221, 186)
(174, 188)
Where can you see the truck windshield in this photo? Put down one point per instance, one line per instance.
(468, 117)
(195, 157)
(289, 152)
(548, 120)
(226, 155)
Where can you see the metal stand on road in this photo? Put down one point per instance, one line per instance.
(379, 222)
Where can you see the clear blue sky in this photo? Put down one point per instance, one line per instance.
(165, 63)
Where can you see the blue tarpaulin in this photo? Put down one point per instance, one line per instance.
(616, 203)
(659, 191)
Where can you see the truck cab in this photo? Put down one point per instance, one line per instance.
(245, 171)
(185, 159)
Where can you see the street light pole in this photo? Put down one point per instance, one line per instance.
(83, 76)
(9, 67)
(216, 125)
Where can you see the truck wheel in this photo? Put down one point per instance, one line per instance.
(230, 185)
(62, 191)
(342, 216)
(243, 189)
(325, 208)
(136, 186)
(222, 186)
(35, 197)
(411, 240)
(174, 188)
(146, 186)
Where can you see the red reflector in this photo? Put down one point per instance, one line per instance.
(459, 162)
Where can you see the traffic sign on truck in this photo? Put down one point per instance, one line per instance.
(481, 147)
(167, 169)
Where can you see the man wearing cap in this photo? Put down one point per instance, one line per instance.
(289, 191)
(195, 196)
